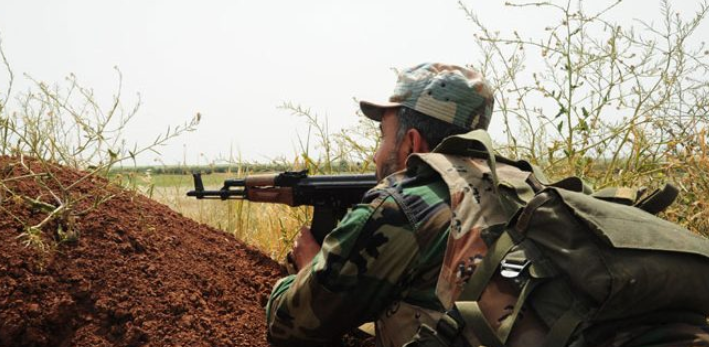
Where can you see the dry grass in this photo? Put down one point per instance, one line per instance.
(610, 105)
(269, 227)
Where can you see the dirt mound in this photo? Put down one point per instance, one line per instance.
(137, 274)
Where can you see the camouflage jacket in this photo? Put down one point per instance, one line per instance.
(381, 262)
(400, 259)
(396, 258)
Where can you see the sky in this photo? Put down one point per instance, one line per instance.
(235, 62)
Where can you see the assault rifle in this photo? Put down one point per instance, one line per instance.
(330, 195)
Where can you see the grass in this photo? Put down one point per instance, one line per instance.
(615, 104)
(269, 227)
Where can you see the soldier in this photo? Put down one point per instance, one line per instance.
(383, 262)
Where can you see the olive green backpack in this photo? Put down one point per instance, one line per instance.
(581, 261)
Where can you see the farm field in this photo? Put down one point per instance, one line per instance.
(95, 251)
(268, 227)
(134, 273)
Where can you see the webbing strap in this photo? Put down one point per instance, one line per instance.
(487, 267)
(465, 144)
(659, 200)
(563, 328)
(539, 174)
(506, 327)
(574, 184)
(474, 318)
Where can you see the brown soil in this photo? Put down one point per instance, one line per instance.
(138, 274)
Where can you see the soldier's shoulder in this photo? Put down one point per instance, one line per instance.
(419, 198)
(429, 186)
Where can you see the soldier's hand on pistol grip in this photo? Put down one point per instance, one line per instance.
(304, 248)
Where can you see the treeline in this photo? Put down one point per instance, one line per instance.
(188, 169)
(343, 167)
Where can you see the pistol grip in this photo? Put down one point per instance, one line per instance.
(325, 218)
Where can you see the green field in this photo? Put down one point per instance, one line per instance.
(269, 227)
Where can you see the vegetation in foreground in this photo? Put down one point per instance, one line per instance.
(616, 105)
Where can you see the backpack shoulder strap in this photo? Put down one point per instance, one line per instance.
(476, 143)
(468, 166)
(653, 203)
(658, 200)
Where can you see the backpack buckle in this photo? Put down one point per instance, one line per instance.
(512, 268)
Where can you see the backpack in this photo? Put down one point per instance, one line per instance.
(584, 263)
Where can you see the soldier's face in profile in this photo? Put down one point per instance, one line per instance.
(388, 157)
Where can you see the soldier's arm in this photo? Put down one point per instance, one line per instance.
(350, 281)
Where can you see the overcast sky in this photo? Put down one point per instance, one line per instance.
(236, 61)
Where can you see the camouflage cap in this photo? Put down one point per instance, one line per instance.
(453, 94)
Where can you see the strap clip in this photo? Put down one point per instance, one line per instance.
(512, 268)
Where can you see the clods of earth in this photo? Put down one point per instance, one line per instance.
(127, 271)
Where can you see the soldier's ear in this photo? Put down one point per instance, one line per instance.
(417, 143)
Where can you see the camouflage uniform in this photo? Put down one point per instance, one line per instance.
(389, 259)
(382, 260)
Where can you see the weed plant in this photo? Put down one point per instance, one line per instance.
(64, 125)
(270, 227)
(616, 104)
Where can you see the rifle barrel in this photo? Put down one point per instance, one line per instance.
(222, 194)
(335, 190)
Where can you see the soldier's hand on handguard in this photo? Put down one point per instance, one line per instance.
(304, 248)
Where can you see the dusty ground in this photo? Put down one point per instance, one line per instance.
(138, 274)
